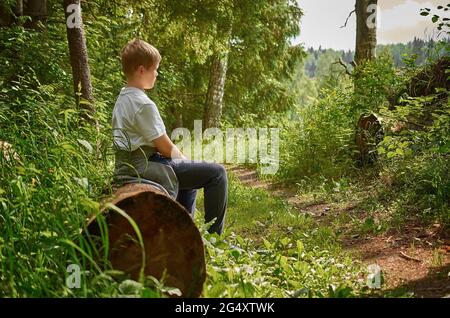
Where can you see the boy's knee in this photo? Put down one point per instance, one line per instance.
(221, 171)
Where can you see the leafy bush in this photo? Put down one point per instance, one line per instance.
(417, 158)
(321, 142)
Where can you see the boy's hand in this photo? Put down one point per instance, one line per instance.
(166, 148)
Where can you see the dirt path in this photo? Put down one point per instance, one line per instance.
(413, 260)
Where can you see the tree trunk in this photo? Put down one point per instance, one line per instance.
(7, 16)
(214, 96)
(366, 30)
(19, 7)
(172, 245)
(368, 128)
(79, 56)
(36, 9)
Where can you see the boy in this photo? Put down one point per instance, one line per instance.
(143, 148)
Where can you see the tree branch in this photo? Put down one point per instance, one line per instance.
(341, 62)
(346, 21)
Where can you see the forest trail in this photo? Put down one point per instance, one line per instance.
(414, 260)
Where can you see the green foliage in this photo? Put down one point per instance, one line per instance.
(270, 250)
(46, 197)
(255, 34)
(439, 18)
(281, 268)
(19, 51)
(375, 84)
(320, 143)
(319, 61)
(417, 158)
(64, 166)
(318, 146)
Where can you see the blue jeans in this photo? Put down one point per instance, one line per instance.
(193, 175)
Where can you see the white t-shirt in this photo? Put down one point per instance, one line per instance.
(135, 120)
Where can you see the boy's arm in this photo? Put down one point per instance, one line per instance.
(166, 148)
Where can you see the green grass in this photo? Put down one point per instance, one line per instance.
(271, 250)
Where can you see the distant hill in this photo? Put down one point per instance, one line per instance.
(318, 61)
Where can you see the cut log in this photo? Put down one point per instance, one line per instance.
(369, 134)
(174, 251)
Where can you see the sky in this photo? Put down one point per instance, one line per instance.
(400, 21)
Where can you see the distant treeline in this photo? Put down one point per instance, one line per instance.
(320, 60)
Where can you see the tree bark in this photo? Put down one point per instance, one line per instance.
(368, 127)
(19, 7)
(172, 244)
(216, 88)
(7, 16)
(36, 9)
(366, 31)
(79, 59)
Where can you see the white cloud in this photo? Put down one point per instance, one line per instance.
(400, 22)
(403, 15)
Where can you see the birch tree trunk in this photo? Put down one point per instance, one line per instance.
(216, 88)
(78, 55)
(366, 30)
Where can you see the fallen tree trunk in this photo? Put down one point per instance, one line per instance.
(369, 133)
(173, 246)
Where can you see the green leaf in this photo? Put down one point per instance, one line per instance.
(399, 152)
(90, 205)
(69, 148)
(300, 247)
(236, 254)
(86, 144)
(48, 234)
(391, 154)
(267, 244)
(284, 263)
(73, 245)
(285, 241)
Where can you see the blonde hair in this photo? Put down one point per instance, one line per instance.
(136, 53)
